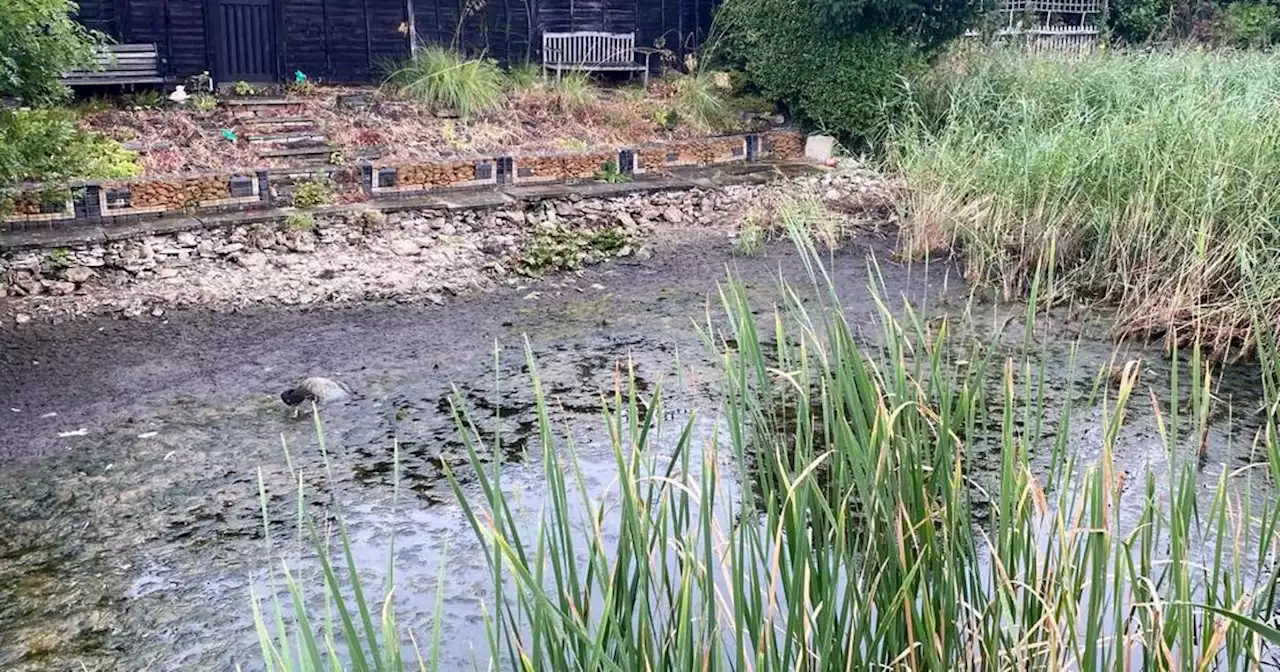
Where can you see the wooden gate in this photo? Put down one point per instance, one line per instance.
(245, 41)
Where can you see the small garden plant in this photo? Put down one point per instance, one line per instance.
(313, 192)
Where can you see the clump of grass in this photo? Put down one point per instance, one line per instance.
(701, 101)
(750, 239)
(299, 221)
(443, 78)
(573, 91)
(1151, 176)
(523, 76)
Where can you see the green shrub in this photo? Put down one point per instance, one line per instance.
(612, 174)
(1138, 21)
(39, 41)
(443, 78)
(666, 118)
(48, 145)
(1249, 24)
(313, 192)
(846, 83)
(243, 88)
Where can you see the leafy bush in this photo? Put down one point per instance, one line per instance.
(38, 42)
(1249, 24)
(666, 118)
(243, 88)
(1138, 21)
(48, 145)
(443, 78)
(612, 174)
(839, 68)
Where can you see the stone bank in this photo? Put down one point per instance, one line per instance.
(365, 254)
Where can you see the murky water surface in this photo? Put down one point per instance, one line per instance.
(131, 525)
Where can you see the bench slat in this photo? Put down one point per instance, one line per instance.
(587, 50)
(120, 64)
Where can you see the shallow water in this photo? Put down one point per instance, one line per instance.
(135, 544)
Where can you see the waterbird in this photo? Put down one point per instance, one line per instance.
(316, 389)
(179, 94)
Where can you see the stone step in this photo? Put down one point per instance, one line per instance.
(258, 102)
(254, 120)
(296, 152)
(290, 139)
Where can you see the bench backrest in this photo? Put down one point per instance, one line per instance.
(588, 48)
(127, 58)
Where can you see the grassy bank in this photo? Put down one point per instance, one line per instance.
(834, 523)
(1151, 179)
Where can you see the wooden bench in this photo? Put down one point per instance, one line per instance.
(592, 51)
(120, 64)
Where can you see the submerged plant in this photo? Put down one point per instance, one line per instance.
(443, 78)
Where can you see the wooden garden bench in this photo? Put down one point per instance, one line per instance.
(120, 64)
(592, 51)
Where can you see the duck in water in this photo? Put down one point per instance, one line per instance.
(317, 390)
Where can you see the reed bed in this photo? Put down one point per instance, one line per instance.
(830, 523)
(1153, 176)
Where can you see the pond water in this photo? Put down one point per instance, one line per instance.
(131, 527)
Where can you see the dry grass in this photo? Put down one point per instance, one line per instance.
(528, 119)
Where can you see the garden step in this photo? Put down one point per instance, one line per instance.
(276, 120)
(316, 150)
(289, 139)
(258, 102)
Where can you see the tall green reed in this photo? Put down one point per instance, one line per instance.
(828, 522)
(1155, 174)
(349, 631)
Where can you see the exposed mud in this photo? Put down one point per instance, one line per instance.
(131, 528)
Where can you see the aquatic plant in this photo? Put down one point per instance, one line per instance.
(1153, 176)
(349, 631)
(841, 520)
(837, 515)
